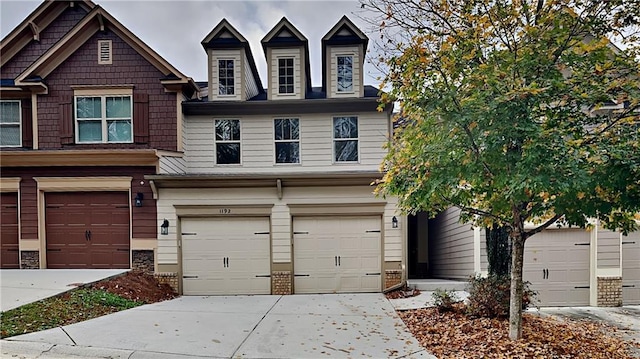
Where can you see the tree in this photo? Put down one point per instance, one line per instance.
(514, 111)
(498, 254)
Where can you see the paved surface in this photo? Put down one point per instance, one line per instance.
(298, 326)
(19, 287)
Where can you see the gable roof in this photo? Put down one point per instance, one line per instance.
(97, 20)
(225, 36)
(36, 22)
(344, 32)
(284, 34)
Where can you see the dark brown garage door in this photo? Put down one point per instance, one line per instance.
(9, 232)
(87, 229)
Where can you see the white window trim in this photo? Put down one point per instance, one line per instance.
(234, 76)
(275, 161)
(216, 142)
(293, 66)
(333, 141)
(353, 85)
(103, 118)
(103, 62)
(13, 124)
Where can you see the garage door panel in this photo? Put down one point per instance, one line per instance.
(631, 269)
(9, 254)
(334, 254)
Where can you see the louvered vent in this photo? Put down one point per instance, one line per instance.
(104, 51)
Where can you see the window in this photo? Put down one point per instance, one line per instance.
(103, 119)
(104, 52)
(285, 75)
(345, 73)
(227, 142)
(287, 140)
(10, 132)
(345, 139)
(225, 77)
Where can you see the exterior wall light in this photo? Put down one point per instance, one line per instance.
(164, 227)
(138, 199)
(394, 222)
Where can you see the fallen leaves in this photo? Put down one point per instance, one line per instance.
(455, 335)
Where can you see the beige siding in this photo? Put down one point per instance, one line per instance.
(451, 252)
(298, 73)
(332, 61)
(236, 56)
(257, 146)
(280, 213)
(250, 85)
(484, 260)
(172, 165)
(608, 249)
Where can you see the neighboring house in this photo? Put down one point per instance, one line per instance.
(88, 110)
(273, 194)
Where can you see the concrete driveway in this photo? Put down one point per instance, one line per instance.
(21, 286)
(295, 326)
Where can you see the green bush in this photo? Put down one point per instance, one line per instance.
(489, 296)
(444, 299)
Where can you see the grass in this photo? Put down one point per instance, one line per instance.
(72, 307)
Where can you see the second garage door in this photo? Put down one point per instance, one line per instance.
(9, 235)
(337, 254)
(556, 262)
(631, 269)
(226, 256)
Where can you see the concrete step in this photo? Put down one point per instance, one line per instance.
(433, 284)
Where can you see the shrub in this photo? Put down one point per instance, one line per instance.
(489, 297)
(444, 299)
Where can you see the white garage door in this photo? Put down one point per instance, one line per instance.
(631, 269)
(225, 256)
(556, 262)
(337, 254)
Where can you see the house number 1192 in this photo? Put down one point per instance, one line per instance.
(225, 210)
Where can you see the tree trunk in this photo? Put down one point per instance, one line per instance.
(498, 251)
(515, 303)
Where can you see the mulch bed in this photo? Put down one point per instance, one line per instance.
(137, 286)
(403, 292)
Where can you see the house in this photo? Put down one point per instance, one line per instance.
(88, 110)
(273, 194)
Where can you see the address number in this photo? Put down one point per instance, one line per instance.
(225, 210)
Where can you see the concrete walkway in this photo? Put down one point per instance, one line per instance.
(21, 286)
(296, 326)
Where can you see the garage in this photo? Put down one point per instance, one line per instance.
(9, 251)
(631, 269)
(227, 255)
(337, 254)
(556, 262)
(87, 230)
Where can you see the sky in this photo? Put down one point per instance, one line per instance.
(175, 28)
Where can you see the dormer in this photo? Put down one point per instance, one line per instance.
(287, 54)
(343, 51)
(233, 75)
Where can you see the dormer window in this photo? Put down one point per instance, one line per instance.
(345, 74)
(104, 52)
(10, 123)
(285, 75)
(226, 77)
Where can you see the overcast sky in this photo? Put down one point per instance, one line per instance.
(175, 28)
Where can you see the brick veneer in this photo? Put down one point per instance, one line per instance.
(169, 278)
(281, 283)
(609, 291)
(392, 277)
(142, 260)
(29, 260)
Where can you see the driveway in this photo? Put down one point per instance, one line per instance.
(295, 326)
(22, 286)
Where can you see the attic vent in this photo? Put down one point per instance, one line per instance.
(285, 33)
(104, 52)
(344, 32)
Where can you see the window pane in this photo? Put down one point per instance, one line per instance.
(119, 107)
(89, 131)
(227, 153)
(346, 151)
(9, 135)
(88, 107)
(345, 127)
(287, 152)
(227, 130)
(119, 131)
(9, 112)
(345, 73)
